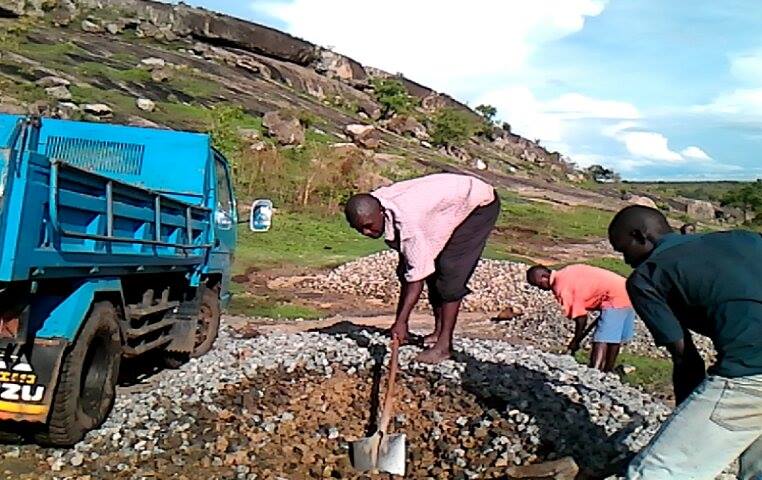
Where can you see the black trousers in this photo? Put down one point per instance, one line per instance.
(456, 263)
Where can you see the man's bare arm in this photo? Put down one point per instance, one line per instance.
(410, 292)
(579, 331)
(688, 370)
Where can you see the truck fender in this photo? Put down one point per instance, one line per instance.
(65, 320)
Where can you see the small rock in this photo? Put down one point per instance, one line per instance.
(146, 104)
(77, 460)
(160, 75)
(153, 63)
(97, 109)
(365, 136)
(52, 81)
(91, 27)
(59, 93)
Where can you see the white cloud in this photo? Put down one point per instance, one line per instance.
(651, 145)
(747, 66)
(445, 44)
(745, 102)
(575, 106)
(695, 153)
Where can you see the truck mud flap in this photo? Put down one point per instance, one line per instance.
(28, 379)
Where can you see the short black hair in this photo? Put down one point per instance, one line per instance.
(359, 207)
(531, 271)
(638, 217)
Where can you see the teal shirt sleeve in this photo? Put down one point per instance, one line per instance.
(652, 308)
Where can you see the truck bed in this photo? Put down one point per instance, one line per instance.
(60, 218)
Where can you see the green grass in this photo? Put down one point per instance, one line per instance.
(249, 306)
(302, 239)
(92, 69)
(652, 374)
(572, 223)
(194, 85)
(613, 264)
(47, 54)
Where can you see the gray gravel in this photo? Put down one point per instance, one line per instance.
(549, 399)
(496, 285)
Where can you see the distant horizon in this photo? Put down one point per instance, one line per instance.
(657, 91)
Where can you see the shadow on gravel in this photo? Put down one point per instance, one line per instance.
(505, 387)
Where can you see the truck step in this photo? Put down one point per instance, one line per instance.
(152, 327)
(140, 311)
(143, 348)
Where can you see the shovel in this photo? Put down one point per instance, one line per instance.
(381, 451)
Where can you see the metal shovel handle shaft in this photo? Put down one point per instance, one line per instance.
(386, 412)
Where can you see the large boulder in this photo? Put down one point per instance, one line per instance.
(285, 129)
(700, 210)
(13, 8)
(365, 136)
(406, 125)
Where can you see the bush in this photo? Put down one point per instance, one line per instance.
(314, 177)
(393, 96)
(451, 127)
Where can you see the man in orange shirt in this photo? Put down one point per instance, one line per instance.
(581, 289)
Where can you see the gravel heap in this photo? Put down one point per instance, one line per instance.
(497, 285)
(287, 405)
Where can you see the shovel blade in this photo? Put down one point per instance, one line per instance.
(391, 454)
(375, 453)
(365, 453)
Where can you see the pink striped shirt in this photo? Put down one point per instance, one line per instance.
(426, 211)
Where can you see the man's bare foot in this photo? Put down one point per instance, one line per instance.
(432, 355)
(430, 340)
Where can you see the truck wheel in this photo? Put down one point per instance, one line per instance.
(87, 382)
(208, 325)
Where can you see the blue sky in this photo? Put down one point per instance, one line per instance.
(656, 89)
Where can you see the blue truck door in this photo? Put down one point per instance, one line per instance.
(225, 222)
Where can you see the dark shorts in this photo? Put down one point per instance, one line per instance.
(456, 263)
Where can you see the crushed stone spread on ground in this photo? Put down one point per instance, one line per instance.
(496, 285)
(227, 414)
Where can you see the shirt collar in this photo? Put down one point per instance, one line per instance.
(669, 240)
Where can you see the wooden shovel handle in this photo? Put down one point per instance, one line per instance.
(386, 413)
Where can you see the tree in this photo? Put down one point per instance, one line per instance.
(488, 112)
(451, 127)
(602, 174)
(747, 197)
(393, 96)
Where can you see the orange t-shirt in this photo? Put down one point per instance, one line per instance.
(582, 288)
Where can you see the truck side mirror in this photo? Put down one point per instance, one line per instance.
(261, 215)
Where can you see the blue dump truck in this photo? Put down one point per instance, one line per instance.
(114, 242)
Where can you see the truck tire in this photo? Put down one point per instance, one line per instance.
(208, 325)
(87, 382)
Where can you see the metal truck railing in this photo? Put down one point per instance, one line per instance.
(170, 218)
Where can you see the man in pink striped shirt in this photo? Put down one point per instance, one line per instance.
(439, 224)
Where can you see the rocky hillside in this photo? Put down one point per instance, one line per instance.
(148, 63)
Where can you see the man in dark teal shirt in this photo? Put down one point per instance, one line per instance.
(710, 284)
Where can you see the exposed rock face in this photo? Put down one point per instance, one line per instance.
(701, 210)
(51, 81)
(287, 131)
(261, 52)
